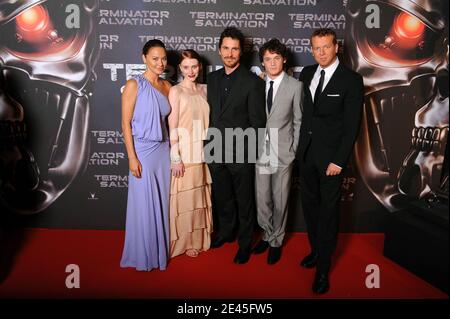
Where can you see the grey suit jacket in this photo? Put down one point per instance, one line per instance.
(286, 117)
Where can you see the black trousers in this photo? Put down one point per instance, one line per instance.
(233, 196)
(320, 196)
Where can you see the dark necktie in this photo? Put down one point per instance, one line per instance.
(270, 97)
(319, 87)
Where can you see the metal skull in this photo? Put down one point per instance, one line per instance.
(404, 63)
(48, 51)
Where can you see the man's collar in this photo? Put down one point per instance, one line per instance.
(331, 68)
(232, 73)
(278, 79)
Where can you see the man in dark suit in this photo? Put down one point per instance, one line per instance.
(236, 100)
(331, 119)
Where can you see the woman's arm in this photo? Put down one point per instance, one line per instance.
(129, 97)
(175, 158)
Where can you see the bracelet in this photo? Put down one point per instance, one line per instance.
(175, 158)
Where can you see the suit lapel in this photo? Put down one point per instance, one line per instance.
(309, 76)
(307, 83)
(333, 80)
(216, 102)
(278, 96)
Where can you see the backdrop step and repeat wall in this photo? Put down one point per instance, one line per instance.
(63, 65)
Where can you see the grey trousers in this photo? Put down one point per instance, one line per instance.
(272, 195)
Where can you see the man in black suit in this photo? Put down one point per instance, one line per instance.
(331, 119)
(236, 100)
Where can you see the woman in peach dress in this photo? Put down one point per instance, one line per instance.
(190, 189)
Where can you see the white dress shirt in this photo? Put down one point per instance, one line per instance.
(270, 156)
(276, 85)
(329, 71)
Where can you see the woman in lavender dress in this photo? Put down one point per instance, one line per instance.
(144, 110)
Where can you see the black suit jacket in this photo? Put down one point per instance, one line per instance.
(244, 108)
(331, 126)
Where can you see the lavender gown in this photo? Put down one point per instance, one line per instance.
(147, 224)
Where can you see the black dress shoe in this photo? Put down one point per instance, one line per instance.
(321, 284)
(260, 247)
(309, 261)
(219, 241)
(274, 255)
(242, 256)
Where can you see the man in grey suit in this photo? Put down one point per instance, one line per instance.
(284, 98)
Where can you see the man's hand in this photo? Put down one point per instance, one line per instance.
(333, 170)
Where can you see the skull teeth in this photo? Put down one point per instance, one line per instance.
(428, 139)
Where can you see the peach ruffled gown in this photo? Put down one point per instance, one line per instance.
(190, 195)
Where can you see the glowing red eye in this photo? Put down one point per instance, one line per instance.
(407, 26)
(33, 19)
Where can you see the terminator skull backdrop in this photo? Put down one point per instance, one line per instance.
(405, 123)
(47, 54)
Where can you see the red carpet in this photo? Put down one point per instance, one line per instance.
(38, 271)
